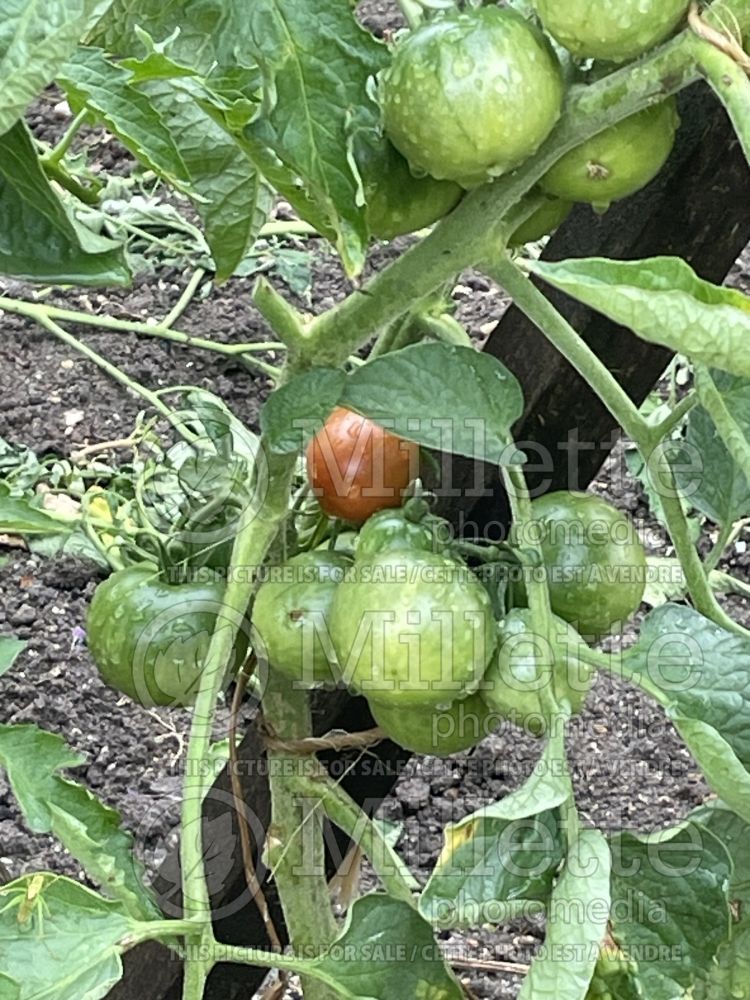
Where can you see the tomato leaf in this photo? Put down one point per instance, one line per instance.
(36, 37)
(663, 301)
(295, 412)
(315, 69)
(89, 829)
(10, 649)
(61, 940)
(670, 911)
(387, 950)
(734, 833)
(209, 30)
(730, 974)
(500, 861)
(19, 516)
(41, 242)
(711, 476)
(697, 670)
(441, 396)
(233, 199)
(579, 911)
(93, 81)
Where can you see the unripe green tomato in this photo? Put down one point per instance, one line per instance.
(546, 219)
(412, 629)
(595, 563)
(617, 162)
(442, 732)
(291, 616)
(149, 638)
(615, 30)
(470, 96)
(523, 665)
(388, 530)
(397, 201)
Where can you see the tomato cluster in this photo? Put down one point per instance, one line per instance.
(470, 95)
(396, 615)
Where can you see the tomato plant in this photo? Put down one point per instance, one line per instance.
(285, 124)
(355, 467)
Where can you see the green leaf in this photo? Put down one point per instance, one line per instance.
(663, 301)
(579, 911)
(730, 976)
(500, 862)
(202, 33)
(441, 396)
(59, 939)
(698, 671)
(670, 911)
(10, 648)
(296, 411)
(734, 833)
(40, 241)
(715, 756)
(92, 81)
(315, 67)
(89, 829)
(36, 37)
(233, 199)
(9, 988)
(711, 478)
(387, 950)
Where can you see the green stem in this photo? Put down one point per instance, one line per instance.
(726, 533)
(561, 335)
(342, 810)
(676, 520)
(57, 154)
(542, 624)
(296, 853)
(57, 172)
(474, 231)
(675, 418)
(256, 535)
(119, 376)
(36, 311)
(184, 300)
(731, 85)
(283, 318)
(294, 227)
(271, 960)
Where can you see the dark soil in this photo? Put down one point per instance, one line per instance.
(630, 768)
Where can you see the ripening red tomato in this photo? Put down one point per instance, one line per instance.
(356, 467)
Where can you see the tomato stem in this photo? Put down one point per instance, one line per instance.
(295, 846)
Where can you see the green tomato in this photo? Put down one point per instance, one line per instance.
(291, 616)
(617, 162)
(470, 96)
(545, 220)
(595, 563)
(149, 638)
(390, 529)
(525, 663)
(442, 732)
(412, 629)
(615, 30)
(397, 201)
